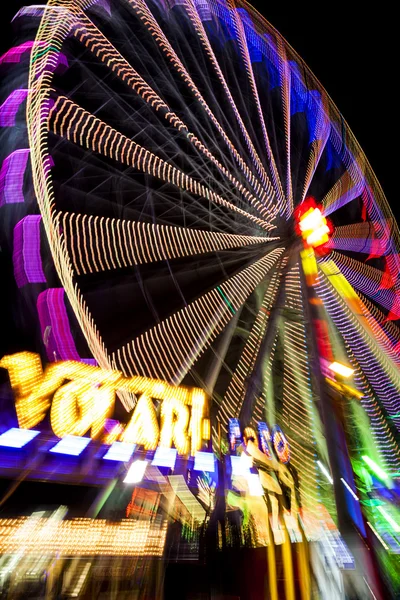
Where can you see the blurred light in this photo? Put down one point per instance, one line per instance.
(325, 471)
(378, 536)
(136, 471)
(346, 485)
(204, 461)
(395, 526)
(120, 451)
(241, 465)
(375, 468)
(255, 487)
(71, 444)
(164, 457)
(341, 369)
(17, 438)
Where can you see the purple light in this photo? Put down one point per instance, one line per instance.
(73, 445)
(17, 438)
(204, 461)
(164, 457)
(120, 451)
(14, 54)
(12, 177)
(26, 254)
(55, 328)
(10, 106)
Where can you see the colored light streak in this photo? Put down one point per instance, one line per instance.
(395, 526)
(164, 457)
(72, 444)
(136, 471)
(204, 461)
(120, 451)
(325, 471)
(241, 465)
(17, 438)
(81, 537)
(255, 487)
(375, 468)
(382, 541)
(346, 485)
(341, 370)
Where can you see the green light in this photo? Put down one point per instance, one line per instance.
(226, 300)
(375, 468)
(395, 526)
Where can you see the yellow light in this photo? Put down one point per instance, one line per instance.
(86, 400)
(341, 370)
(142, 429)
(174, 419)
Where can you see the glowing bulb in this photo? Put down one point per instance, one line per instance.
(340, 369)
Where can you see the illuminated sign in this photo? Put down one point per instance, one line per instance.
(81, 398)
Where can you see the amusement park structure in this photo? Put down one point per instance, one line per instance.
(205, 285)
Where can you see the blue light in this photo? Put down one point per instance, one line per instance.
(164, 457)
(17, 438)
(204, 461)
(71, 444)
(121, 451)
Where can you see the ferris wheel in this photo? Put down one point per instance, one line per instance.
(177, 148)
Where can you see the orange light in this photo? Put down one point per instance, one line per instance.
(313, 227)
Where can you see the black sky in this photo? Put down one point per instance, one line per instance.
(351, 51)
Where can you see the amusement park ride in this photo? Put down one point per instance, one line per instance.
(206, 283)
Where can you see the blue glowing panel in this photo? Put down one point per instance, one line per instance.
(164, 457)
(121, 451)
(204, 461)
(71, 444)
(17, 438)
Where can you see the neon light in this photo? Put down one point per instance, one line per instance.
(71, 444)
(12, 177)
(204, 461)
(281, 444)
(340, 369)
(346, 485)
(10, 107)
(375, 468)
(164, 457)
(378, 536)
(26, 252)
(325, 471)
(120, 451)
(395, 526)
(17, 438)
(136, 471)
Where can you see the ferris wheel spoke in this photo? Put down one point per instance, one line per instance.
(382, 377)
(240, 380)
(69, 120)
(192, 11)
(298, 417)
(320, 137)
(378, 366)
(374, 283)
(358, 237)
(98, 244)
(349, 187)
(91, 37)
(169, 349)
(263, 190)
